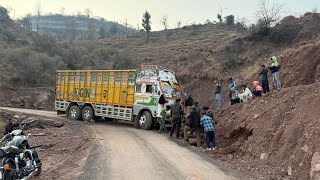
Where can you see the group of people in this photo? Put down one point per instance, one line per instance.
(243, 93)
(197, 120)
(194, 120)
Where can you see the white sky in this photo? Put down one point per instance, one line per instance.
(189, 11)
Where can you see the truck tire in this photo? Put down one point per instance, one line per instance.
(136, 122)
(75, 112)
(87, 113)
(145, 120)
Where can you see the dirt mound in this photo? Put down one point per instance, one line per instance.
(300, 65)
(64, 150)
(282, 129)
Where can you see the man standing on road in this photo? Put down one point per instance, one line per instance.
(208, 124)
(176, 114)
(165, 116)
(217, 94)
(194, 124)
(161, 103)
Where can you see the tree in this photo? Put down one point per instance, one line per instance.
(126, 25)
(71, 30)
(92, 31)
(230, 20)
(268, 14)
(88, 12)
(102, 31)
(178, 26)
(219, 16)
(146, 24)
(26, 22)
(164, 22)
(113, 29)
(38, 9)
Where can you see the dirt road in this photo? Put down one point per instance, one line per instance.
(127, 153)
(122, 152)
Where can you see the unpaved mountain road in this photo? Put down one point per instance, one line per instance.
(122, 152)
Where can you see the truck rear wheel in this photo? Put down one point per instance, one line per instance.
(87, 113)
(145, 120)
(75, 112)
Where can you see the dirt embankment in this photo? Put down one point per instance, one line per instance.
(274, 134)
(64, 149)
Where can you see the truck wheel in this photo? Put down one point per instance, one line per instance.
(145, 120)
(87, 113)
(136, 122)
(75, 112)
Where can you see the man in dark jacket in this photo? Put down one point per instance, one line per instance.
(196, 105)
(188, 104)
(162, 101)
(8, 128)
(264, 79)
(194, 124)
(176, 114)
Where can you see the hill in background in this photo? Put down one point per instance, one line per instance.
(79, 27)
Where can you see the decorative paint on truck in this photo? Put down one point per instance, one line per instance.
(130, 95)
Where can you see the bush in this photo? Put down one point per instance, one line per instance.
(31, 68)
(230, 20)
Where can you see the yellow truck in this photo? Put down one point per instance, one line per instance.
(130, 95)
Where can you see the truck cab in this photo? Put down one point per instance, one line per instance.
(151, 82)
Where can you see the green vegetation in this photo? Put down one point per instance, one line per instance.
(146, 24)
(29, 59)
(230, 20)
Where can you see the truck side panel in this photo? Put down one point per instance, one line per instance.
(115, 88)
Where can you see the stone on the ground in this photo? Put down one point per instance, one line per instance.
(315, 167)
(256, 116)
(230, 156)
(193, 141)
(289, 170)
(29, 119)
(305, 148)
(264, 156)
(51, 122)
(16, 117)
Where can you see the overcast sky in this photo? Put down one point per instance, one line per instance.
(188, 11)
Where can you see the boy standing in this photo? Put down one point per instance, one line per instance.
(208, 125)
